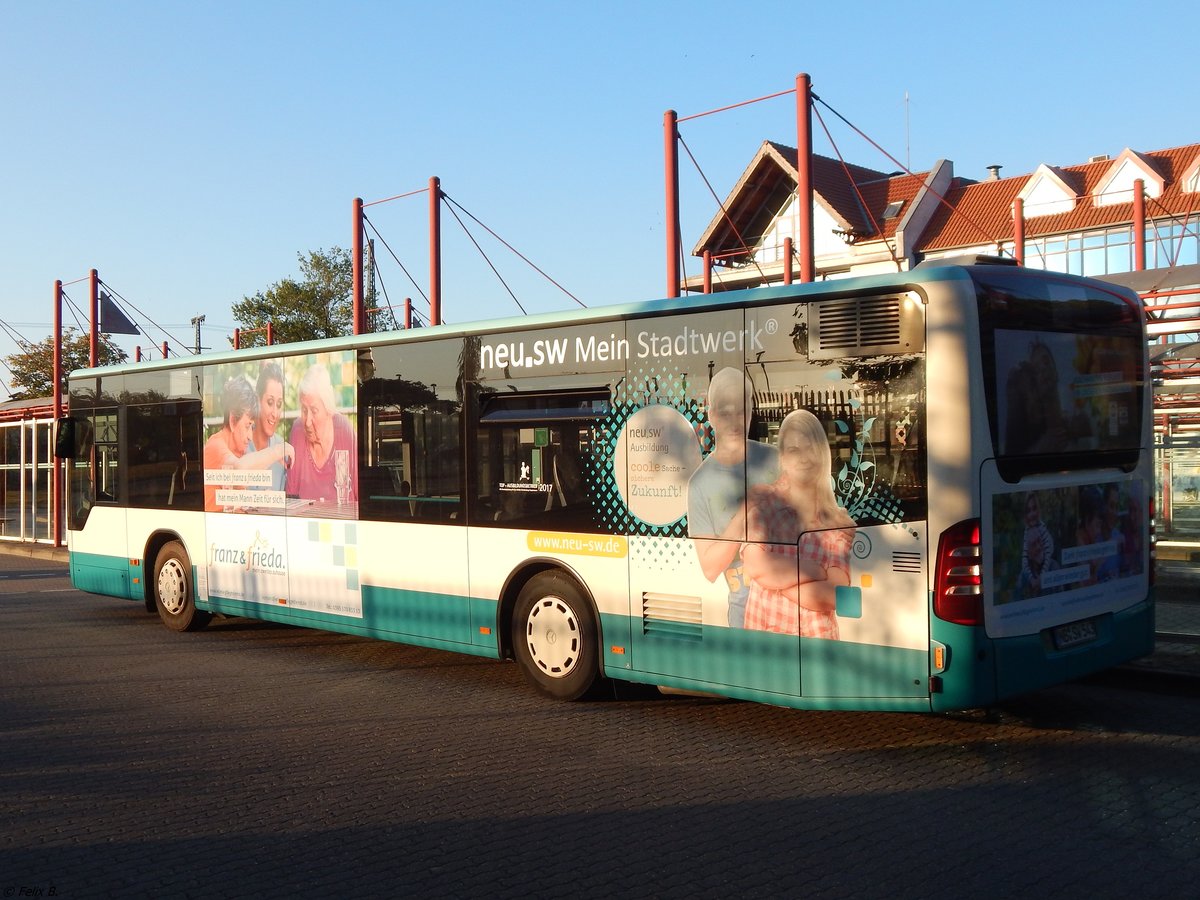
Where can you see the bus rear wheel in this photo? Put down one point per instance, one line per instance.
(173, 595)
(554, 637)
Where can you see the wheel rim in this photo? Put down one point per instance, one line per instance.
(172, 587)
(553, 637)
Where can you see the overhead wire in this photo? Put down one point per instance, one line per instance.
(177, 341)
(387, 300)
(858, 193)
(906, 170)
(387, 246)
(486, 259)
(734, 106)
(383, 287)
(513, 249)
(15, 335)
(78, 315)
(1185, 231)
(721, 206)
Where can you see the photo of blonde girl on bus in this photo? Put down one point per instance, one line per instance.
(797, 551)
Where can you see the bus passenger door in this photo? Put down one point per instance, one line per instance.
(414, 580)
(684, 464)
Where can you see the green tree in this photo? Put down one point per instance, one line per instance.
(319, 305)
(33, 367)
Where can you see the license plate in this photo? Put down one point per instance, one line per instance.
(1074, 633)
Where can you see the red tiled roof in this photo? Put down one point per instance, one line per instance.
(836, 184)
(771, 176)
(981, 212)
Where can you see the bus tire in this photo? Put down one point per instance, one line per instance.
(554, 637)
(173, 594)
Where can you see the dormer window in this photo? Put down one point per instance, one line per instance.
(1191, 177)
(1118, 182)
(1047, 193)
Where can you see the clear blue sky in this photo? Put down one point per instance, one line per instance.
(189, 151)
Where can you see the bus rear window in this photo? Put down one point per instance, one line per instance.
(1063, 366)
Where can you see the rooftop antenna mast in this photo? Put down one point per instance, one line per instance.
(907, 136)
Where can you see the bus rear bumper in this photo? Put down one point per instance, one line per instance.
(984, 671)
(1035, 661)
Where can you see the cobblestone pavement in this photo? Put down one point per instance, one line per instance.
(261, 760)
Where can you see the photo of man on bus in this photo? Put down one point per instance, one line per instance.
(716, 513)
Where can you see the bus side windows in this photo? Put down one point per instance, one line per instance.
(410, 463)
(163, 456)
(538, 484)
(105, 453)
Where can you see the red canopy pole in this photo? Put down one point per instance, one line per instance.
(94, 334)
(671, 157)
(356, 267)
(804, 193)
(56, 471)
(435, 251)
(1139, 225)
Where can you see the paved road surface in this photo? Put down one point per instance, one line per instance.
(262, 760)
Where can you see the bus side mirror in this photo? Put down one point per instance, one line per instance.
(64, 438)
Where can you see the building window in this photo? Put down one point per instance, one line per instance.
(1091, 253)
(1172, 244)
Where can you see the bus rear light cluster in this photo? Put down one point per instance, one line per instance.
(958, 587)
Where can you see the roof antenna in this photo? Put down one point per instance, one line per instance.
(907, 137)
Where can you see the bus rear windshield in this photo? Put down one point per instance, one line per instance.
(1063, 366)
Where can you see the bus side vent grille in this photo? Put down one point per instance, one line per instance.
(906, 561)
(865, 326)
(672, 615)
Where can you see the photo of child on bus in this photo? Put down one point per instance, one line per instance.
(1066, 538)
(227, 448)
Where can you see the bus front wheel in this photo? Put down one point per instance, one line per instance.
(554, 637)
(173, 595)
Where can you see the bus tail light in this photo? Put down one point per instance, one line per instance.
(958, 586)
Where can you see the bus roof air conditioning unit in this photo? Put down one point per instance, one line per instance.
(866, 326)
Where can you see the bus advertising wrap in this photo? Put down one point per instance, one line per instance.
(1061, 548)
(281, 451)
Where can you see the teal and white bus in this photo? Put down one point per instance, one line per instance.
(928, 490)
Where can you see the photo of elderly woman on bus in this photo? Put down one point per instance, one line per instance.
(326, 467)
(798, 538)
